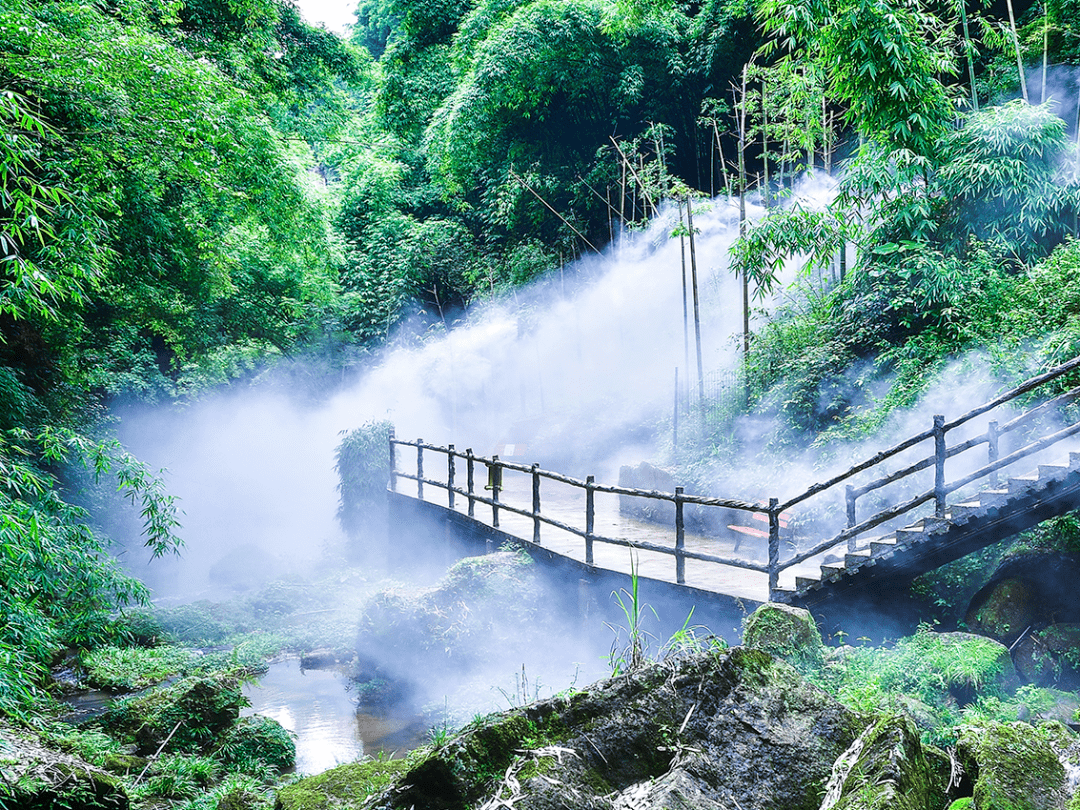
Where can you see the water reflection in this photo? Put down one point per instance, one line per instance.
(318, 708)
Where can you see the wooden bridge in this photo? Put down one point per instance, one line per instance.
(810, 548)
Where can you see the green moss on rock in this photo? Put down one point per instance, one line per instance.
(885, 769)
(1003, 609)
(344, 786)
(785, 632)
(35, 777)
(195, 711)
(1013, 766)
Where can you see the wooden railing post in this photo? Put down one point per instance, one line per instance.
(393, 462)
(992, 449)
(470, 480)
(495, 484)
(420, 469)
(849, 496)
(536, 502)
(774, 546)
(939, 466)
(590, 518)
(450, 474)
(680, 538)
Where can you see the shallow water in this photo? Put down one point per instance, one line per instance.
(317, 706)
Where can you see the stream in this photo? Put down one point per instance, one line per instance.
(316, 705)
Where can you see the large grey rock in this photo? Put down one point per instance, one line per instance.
(708, 730)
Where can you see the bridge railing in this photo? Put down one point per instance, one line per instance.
(494, 468)
(942, 452)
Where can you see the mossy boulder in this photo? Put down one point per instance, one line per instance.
(885, 769)
(1012, 766)
(1031, 588)
(184, 717)
(785, 632)
(343, 786)
(702, 731)
(35, 777)
(255, 742)
(1004, 609)
(474, 614)
(1050, 656)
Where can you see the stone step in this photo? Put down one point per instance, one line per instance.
(1022, 483)
(1051, 471)
(1074, 461)
(882, 545)
(831, 570)
(992, 497)
(960, 510)
(802, 583)
(910, 534)
(855, 559)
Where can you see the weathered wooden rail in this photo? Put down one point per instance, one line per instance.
(846, 539)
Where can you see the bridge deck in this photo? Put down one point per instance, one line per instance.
(567, 505)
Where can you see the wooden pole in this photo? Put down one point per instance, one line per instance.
(450, 474)
(939, 466)
(680, 538)
(496, 484)
(992, 448)
(469, 471)
(774, 547)
(393, 462)
(849, 497)
(536, 502)
(420, 469)
(590, 517)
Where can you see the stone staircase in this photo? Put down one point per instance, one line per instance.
(991, 515)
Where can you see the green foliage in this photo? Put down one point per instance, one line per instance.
(883, 60)
(176, 776)
(363, 467)
(255, 743)
(128, 669)
(925, 674)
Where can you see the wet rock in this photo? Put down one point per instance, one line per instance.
(320, 659)
(1012, 767)
(785, 632)
(707, 730)
(1004, 609)
(34, 777)
(1050, 656)
(1032, 589)
(885, 769)
(186, 716)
